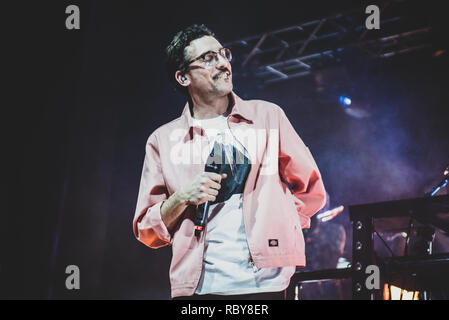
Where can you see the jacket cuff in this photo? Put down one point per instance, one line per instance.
(151, 225)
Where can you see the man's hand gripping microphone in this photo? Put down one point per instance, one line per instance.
(203, 209)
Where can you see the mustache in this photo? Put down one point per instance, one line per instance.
(221, 72)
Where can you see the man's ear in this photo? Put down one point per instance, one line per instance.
(182, 79)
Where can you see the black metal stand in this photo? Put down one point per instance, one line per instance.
(362, 255)
(425, 271)
(421, 209)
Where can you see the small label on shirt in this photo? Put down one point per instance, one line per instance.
(273, 242)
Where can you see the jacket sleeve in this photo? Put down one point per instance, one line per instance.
(298, 168)
(148, 226)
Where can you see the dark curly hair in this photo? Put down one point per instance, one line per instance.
(175, 55)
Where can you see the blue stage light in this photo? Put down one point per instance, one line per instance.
(345, 101)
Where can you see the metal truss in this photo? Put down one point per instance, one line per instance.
(301, 49)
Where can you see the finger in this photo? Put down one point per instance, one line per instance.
(206, 197)
(209, 183)
(212, 192)
(213, 176)
(214, 185)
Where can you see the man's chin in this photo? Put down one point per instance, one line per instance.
(225, 89)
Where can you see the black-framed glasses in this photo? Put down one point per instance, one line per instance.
(210, 58)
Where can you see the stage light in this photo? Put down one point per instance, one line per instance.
(345, 101)
(392, 292)
(439, 53)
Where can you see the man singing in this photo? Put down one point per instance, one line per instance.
(266, 187)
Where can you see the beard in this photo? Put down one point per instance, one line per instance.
(223, 82)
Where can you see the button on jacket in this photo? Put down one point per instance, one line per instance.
(283, 189)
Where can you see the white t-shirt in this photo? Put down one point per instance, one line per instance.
(227, 266)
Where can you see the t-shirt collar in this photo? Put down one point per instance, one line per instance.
(238, 110)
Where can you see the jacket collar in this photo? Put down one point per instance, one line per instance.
(238, 110)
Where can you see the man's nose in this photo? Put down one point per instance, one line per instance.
(222, 62)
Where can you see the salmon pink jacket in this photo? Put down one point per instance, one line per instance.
(283, 190)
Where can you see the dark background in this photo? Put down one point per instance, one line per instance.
(80, 105)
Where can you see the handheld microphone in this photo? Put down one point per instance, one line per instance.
(203, 209)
